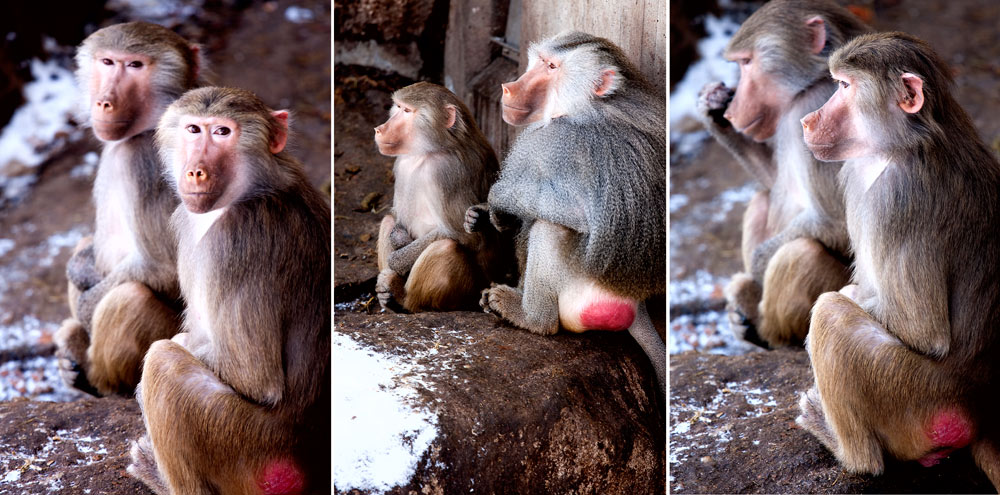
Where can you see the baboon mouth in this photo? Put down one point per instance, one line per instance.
(819, 145)
(511, 107)
(112, 122)
(752, 123)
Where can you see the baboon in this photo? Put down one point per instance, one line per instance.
(585, 181)
(795, 243)
(426, 260)
(239, 402)
(123, 289)
(904, 357)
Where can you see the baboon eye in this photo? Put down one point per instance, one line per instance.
(107, 61)
(553, 66)
(745, 61)
(844, 84)
(407, 109)
(222, 131)
(193, 129)
(135, 64)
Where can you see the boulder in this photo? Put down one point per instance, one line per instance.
(68, 447)
(491, 408)
(732, 430)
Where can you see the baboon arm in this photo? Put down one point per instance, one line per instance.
(249, 356)
(756, 158)
(401, 260)
(806, 224)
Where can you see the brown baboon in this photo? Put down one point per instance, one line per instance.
(123, 289)
(904, 358)
(239, 402)
(795, 244)
(444, 165)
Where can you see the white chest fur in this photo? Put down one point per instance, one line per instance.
(201, 222)
(417, 201)
(114, 192)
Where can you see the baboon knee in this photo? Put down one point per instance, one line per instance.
(443, 277)
(798, 273)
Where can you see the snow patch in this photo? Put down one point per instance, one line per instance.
(381, 428)
(39, 128)
(709, 439)
(711, 67)
(299, 15)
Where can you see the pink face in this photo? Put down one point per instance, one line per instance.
(523, 100)
(759, 101)
(833, 132)
(121, 95)
(208, 161)
(395, 136)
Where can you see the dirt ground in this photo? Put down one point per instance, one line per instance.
(255, 46)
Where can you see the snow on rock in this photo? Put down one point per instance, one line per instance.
(685, 413)
(381, 431)
(23, 371)
(39, 128)
(299, 15)
(166, 12)
(710, 67)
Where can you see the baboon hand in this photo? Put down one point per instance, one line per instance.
(81, 269)
(475, 217)
(713, 101)
(399, 237)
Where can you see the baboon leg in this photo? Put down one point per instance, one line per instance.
(798, 273)
(874, 395)
(988, 459)
(72, 342)
(754, 226)
(205, 438)
(383, 248)
(534, 306)
(126, 322)
(444, 277)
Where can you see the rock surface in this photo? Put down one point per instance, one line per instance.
(517, 412)
(732, 430)
(68, 448)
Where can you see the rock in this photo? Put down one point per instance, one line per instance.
(506, 410)
(739, 411)
(72, 447)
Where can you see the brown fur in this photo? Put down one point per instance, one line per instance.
(247, 384)
(785, 78)
(132, 200)
(798, 273)
(918, 333)
(440, 172)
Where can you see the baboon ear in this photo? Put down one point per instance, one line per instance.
(281, 135)
(607, 82)
(451, 115)
(914, 99)
(817, 28)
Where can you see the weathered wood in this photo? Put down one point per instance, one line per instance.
(639, 27)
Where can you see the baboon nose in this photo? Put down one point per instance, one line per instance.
(378, 131)
(807, 122)
(196, 176)
(105, 105)
(506, 90)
